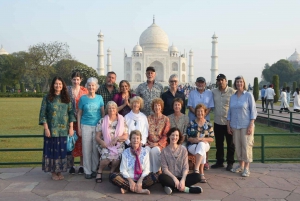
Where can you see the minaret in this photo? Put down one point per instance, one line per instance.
(100, 66)
(191, 66)
(214, 59)
(109, 68)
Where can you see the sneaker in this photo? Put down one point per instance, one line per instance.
(94, 174)
(246, 173)
(72, 170)
(168, 190)
(80, 170)
(229, 167)
(206, 166)
(196, 189)
(217, 165)
(88, 176)
(237, 169)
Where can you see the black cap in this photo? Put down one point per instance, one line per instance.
(221, 76)
(150, 68)
(200, 79)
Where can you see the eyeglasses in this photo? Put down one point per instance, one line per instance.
(173, 81)
(134, 122)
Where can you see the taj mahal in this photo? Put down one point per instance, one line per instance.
(153, 50)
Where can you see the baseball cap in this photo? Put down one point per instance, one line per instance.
(221, 76)
(200, 79)
(150, 68)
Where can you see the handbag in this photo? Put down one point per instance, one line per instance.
(71, 140)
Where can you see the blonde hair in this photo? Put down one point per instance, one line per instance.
(137, 99)
(243, 79)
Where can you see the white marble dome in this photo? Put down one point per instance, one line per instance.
(173, 48)
(137, 48)
(3, 51)
(154, 38)
(294, 57)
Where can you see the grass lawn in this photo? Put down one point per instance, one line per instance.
(20, 116)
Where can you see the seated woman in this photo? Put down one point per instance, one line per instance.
(111, 132)
(175, 167)
(159, 125)
(136, 120)
(200, 133)
(135, 172)
(122, 98)
(178, 119)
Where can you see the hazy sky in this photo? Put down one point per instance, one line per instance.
(251, 33)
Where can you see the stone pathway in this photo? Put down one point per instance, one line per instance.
(266, 182)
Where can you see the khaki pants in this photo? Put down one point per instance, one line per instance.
(243, 144)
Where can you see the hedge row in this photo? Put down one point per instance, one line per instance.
(25, 94)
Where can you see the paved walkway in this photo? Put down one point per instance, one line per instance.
(266, 182)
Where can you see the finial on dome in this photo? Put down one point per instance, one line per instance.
(153, 19)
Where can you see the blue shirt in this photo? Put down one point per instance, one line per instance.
(91, 109)
(241, 110)
(262, 92)
(195, 98)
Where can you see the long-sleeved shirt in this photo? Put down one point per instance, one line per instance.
(168, 98)
(241, 110)
(176, 162)
(128, 161)
(269, 93)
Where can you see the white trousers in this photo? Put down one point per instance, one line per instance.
(200, 148)
(89, 149)
(154, 155)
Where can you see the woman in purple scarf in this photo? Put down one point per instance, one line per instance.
(134, 173)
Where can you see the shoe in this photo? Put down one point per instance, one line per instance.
(206, 166)
(237, 169)
(80, 170)
(72, 170)
(168, 190)
(217, 165)
(246, 173)
(229, 167)
(88, 176)
(195, 189)
(99, 180)
(94, 174)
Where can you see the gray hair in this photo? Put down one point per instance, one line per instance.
(94, 80)
(173, 76)
(111, 103)
(137, 99)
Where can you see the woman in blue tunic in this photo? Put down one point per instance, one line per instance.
(57, 117)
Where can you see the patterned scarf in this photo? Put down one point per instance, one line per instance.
(137, 165)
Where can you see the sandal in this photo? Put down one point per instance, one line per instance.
(60, 176)
(196, 171)
(203, 179)
(55, 177)
(99, 180)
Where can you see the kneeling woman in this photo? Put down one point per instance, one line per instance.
(200, 133)
(175, 167)
(135, 168)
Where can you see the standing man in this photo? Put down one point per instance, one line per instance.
(269, 96)
(108, 89)
(171, 94)
(149, 90)
(222, 96)
(200, 95)
(262, 94)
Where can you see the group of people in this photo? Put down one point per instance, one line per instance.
(267, 97)
(146, 134)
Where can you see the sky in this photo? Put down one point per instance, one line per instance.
(250, 33)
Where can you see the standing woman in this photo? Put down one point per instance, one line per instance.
(288, 95)
(283, 104)
(178, 119)
(240, 123)
(122, 98)
(175, 166)
(57, 117)
(91, 109)
(75, 92)
(296, 100)
(159, 125)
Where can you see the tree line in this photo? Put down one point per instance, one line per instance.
(33, 69)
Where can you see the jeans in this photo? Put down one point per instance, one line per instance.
(263, 102)
(269, 101)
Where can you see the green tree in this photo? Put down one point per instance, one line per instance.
(22, 87)
(276, 88)
(17, 87)
(294, 86)
(38, 88)
(284, 84)
(255, 89)
(3, 88)
(230, 83)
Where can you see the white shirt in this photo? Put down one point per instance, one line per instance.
(269, 94)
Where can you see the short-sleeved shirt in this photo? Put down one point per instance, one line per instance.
(148, 95)
(194, 130)
(168, 98)
(195, 98)
(221, 101)
(91, 109)
(106, 95)
(241, 110)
